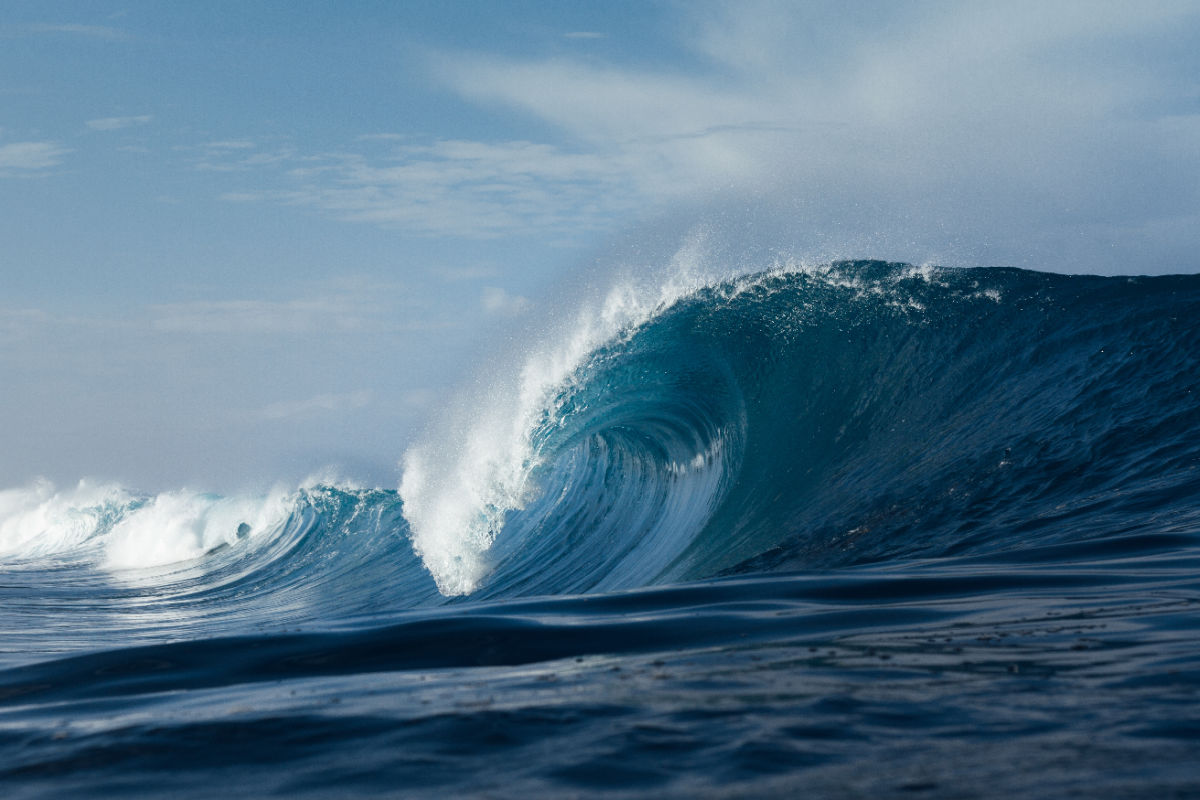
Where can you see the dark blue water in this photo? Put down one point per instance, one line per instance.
(856, 531)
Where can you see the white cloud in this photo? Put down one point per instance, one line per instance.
(116, 123)
(458, 188)
(988, 123)
(601, 104)
(242, 155)
(500, 302)
(30, 156)
(989, 132)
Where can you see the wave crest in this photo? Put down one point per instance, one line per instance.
(805, 416)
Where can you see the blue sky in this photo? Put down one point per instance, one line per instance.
(244, 240)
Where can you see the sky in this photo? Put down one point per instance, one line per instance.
(243, 241)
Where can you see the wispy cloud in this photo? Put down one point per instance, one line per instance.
(231, 144)
(982, 119)
(263, 316)
(117, 123)
(27, 157)
(1007, 130)
(242, 155)
(497, 301)
(90, 31)
(456, 188)
(585, 35)
(317, 405)
(349, 303)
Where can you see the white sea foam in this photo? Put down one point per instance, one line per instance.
(182, 525)
(39, 520)
(477, 465)
(117, 529)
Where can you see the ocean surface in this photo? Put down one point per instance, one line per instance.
(854, 530)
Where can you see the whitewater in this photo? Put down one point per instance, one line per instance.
(853, 528)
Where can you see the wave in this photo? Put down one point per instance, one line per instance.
(134, 567)
(801, 417)
(821, 416)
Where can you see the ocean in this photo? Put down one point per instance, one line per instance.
(852, 530)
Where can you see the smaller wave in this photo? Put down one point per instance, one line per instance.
(153, 566)
(39, 520)
(180, 526)
(114, 528)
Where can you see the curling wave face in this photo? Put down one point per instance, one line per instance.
(826, 416)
